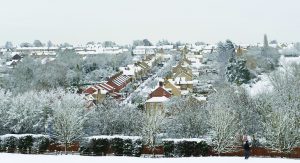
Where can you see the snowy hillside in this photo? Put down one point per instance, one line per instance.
(264, 84)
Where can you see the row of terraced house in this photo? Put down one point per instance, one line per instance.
(117, 82)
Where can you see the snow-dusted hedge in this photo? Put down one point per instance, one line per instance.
(185, 147)
(24, 143)
(117, 144)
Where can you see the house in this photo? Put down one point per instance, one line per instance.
(98, 48)
(185, 61)
(132, 70)
(38, 51)
(145, 68)
(170, 85)
(184, 84)
(16, 57)
(240, 51)
(183, 73)
(95, 93)
(3, 50)
(165, 47)
(99, 92)
(155, 105)
(119, 81)
(154, 108)
(180, 67)
(160, 91)
(144, 50)
(12, 63)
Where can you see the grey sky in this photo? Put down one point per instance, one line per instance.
(79, 21)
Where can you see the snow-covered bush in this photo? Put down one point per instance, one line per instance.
(25, 143)
(117, 144)
(97, 146)
(1, 146)
(168, 148)
(201, 149)
(41, 144)
(185, 147)
(9, 143)
(137, 148)
(127, 147)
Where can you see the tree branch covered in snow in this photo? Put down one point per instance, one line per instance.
(223, 122)
(69, 116)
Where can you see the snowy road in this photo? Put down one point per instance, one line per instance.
(143, 89)
(19, 158)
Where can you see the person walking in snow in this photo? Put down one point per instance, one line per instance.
(246, 149)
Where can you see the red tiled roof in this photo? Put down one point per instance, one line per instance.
(90, 90)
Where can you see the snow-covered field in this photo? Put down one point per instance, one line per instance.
(19, 158)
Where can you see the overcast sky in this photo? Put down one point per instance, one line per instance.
(79, 21)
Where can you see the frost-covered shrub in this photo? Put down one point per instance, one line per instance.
(168, 148)
(201, 149)
(35, 143)
(40, 144)
(84, 147)
(184, 148)
(117, 146)
(137, 148)
(99, 146)
(10, 143)
(25, 143)
(127, 147)
(1, 146)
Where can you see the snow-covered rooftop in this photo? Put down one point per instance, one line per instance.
(158, 99)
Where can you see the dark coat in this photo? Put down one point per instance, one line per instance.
(246, 146)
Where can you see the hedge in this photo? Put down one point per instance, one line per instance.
(137, 148)
(118, 145)
(127, 147)
(9, 144)
(169, 148)
(24, 143)
(185, 147)
(201, 149)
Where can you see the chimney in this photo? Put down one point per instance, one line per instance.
(161, 83)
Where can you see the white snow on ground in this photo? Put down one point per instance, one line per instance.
(264, 84)
(19, 158)
(285, 61)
